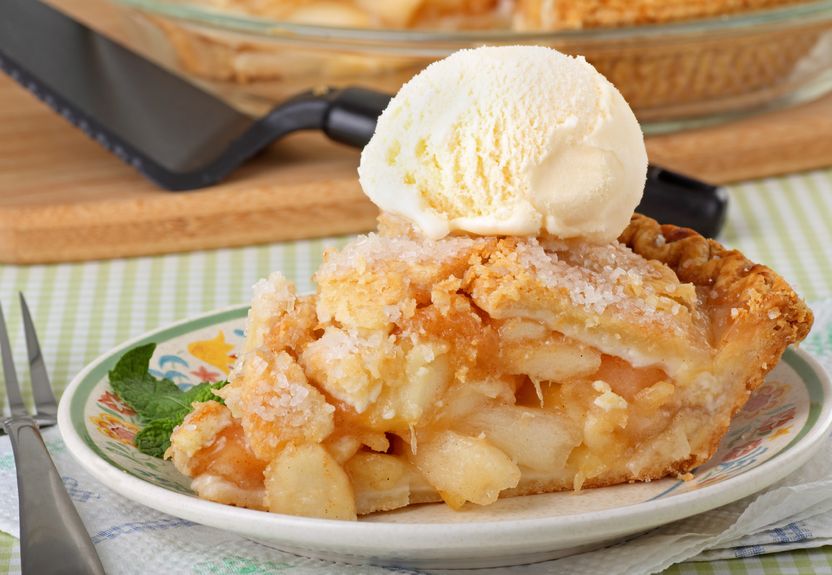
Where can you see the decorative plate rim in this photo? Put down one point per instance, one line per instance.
(609, 522)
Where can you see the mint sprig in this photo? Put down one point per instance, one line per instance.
(160, 404)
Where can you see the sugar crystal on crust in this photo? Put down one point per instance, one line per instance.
(276, 403)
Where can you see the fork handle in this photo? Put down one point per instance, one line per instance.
(53, 539)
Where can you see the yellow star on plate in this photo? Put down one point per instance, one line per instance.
(214, 352)
(779, 432)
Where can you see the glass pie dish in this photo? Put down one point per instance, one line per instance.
(674, 75)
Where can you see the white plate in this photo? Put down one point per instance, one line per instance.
(780, 428)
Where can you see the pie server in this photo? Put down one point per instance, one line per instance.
(183, 138)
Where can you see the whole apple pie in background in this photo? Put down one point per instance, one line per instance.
(467, 14)
(665, 74)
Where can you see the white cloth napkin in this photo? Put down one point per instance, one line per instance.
(795, 513)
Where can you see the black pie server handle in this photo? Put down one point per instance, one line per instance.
(673, 198)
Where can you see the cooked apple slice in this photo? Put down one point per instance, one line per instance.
(379, 481)
(555, 358)
(306, 480)
(463, 468)
(532, 437)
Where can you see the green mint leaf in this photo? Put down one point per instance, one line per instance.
(135, 386)
(178, 404)
(154, 438)
(171, 405)
(160, 403)
(202, 392)
(133, 364)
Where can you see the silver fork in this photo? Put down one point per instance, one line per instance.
(53, 540)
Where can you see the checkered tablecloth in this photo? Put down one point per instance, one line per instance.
(82, 310)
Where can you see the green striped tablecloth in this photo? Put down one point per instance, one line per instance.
(82, 310)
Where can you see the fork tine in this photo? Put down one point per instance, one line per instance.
(47, 406)
(16, 406)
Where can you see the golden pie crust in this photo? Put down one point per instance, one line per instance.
(560, 14)
(472, 368)
(364, 13)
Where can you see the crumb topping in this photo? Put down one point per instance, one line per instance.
(372, 250)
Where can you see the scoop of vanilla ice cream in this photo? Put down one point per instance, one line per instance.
(508, 140)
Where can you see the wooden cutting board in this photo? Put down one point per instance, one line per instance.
(63, 198)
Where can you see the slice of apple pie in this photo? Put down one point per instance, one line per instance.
(471, 368)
